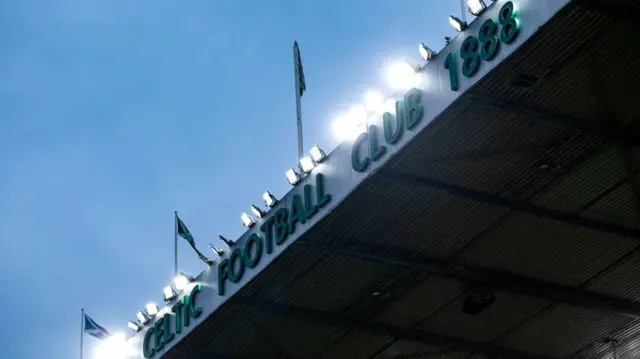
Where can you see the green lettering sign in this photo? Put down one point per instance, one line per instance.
(360, 164)
(409, 112)
(236, 265)
(392, 125)
(297, 213)
(275, 229)
(484, 47)
(375, 150)
(253, 250)
(282, 225)
(147, 349)
(194, 312)
(159, 330)
(267, 229)
(177, 310)
(162, 332)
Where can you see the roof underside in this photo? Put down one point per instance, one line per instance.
(530, 191)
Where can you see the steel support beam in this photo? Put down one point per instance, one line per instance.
(614, 135)
(383, 328)
(515, 205)
(489, 278)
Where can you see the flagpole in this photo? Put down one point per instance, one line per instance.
(296, 69)
(81, 330)
(463, 10)
(175, 243)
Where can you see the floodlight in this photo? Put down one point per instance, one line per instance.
(457, 24)
(257, 211)
(347, 129)
(219, 252)
(413, 64)
(269, 199)
(292, 177)
(181, 281)
(143, 318)
(389, 106)
(306, 164)
(402, 76)
(476, 6)
(226, 241)
(317, 154)
(358, 114)
(168, 293)
(134, 326)
(426, 53)
(373, 100)
(151, 309)
(113, 347)
(247, 221)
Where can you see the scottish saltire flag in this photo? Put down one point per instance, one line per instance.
(92, 328)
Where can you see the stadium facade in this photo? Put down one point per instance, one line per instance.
(510, 175)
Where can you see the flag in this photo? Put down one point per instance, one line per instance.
(183, 231)
(302, 86)
(92, 328)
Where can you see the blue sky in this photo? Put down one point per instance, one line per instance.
(114, 113)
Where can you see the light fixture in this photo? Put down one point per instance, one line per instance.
(292, 177)
(113, 347)
(134, 326)
(358, 114)
(226, 241)
(380, 294)
(317, 154)
(168, 293)
(476, 7)
(247, 221)
(257, 211)
(426, 53)
(373, 100)
(402, 76)
(181, 281)
(143, 318)
(151, 309)
(417, 67)
(457, 24)
(389, 106)
(345, 128)
(477, 301)
(218, 252)
(269, 199)
(306, 164)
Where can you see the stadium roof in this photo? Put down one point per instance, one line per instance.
(523, 184)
